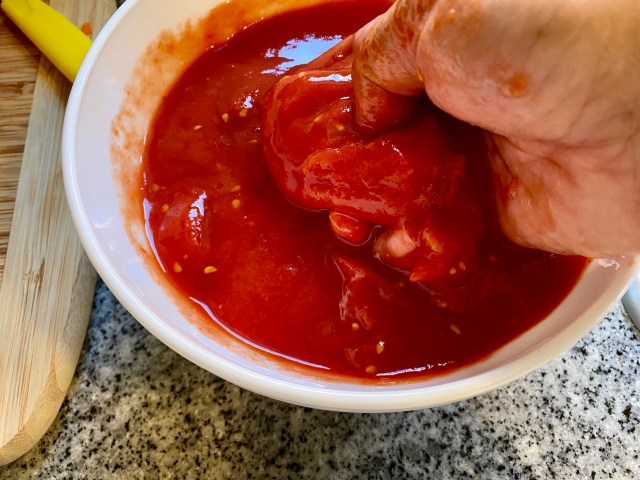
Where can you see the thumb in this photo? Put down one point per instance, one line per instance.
(385, 76)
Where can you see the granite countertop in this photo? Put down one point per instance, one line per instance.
(137, 410)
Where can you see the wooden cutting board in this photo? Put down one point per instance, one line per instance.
(46, 281)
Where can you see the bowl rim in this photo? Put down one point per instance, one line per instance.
(379, 398)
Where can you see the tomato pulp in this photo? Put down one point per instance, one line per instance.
(283, 242)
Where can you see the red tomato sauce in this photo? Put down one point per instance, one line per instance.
(284, 242)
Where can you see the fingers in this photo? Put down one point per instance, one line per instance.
(378, 110)
(385, 48)
(385, 76)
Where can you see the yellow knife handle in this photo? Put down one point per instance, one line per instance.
(56, 37)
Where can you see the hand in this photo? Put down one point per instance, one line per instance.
(556, 87)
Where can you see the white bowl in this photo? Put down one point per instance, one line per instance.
(119, 86)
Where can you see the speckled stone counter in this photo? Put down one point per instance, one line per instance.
(136, 410)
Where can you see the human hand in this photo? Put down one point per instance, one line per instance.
(556, 87)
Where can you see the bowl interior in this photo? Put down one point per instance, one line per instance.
(117, 92)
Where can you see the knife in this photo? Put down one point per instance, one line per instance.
(55, 36)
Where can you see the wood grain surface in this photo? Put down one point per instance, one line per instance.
(18, 70)
(47, 282)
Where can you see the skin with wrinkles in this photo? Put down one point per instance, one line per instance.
(556, 87)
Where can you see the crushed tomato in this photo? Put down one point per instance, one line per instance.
(282, 240)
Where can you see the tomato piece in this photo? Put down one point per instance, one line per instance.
(410, 180)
